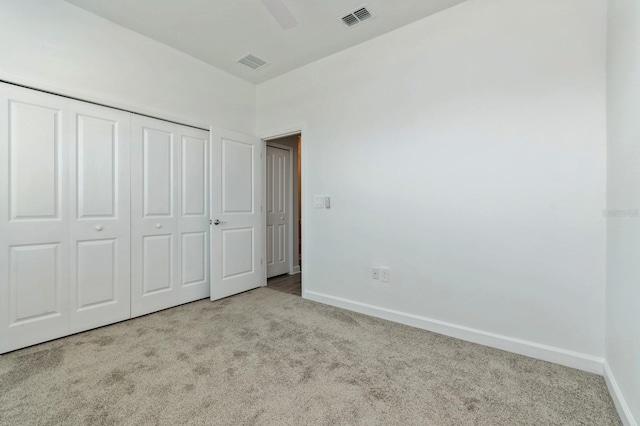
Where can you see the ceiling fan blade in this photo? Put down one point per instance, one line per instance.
(280, 13)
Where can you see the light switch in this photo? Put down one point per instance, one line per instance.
(384, 274)
(327, 202)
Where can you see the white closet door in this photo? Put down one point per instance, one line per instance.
(194, 222)
(278, 239)
(170, 221)
(34, 263)
(99, 204)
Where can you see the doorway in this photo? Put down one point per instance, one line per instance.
(283, 213)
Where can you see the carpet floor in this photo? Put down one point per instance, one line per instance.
(270, 358)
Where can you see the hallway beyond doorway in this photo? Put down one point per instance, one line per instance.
(286, 283)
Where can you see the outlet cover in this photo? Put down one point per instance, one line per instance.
(375, 273)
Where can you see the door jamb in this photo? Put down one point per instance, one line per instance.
(269, 136)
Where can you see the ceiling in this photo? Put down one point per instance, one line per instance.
(219, 32)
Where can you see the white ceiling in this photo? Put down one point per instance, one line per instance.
(221, 31)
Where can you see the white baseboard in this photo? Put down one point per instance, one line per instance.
(295, 270)
(618, 399)
(564, 357)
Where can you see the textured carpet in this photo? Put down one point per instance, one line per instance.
(271, 358)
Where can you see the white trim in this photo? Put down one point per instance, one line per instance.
(282, 133)
(295, 270)
(618, 398)
(564, 357)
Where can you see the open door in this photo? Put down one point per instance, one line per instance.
(236, 229)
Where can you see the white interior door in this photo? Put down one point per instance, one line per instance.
(170, 220)
(236, 239)
(99, 227)
(34, 225)
(278, 192)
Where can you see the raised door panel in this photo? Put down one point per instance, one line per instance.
(97, 273)
(282, 182)
(237, 177)
(158, 260)
(158, 172)
(282, 243)
(34, 268)
(97, 167)
(194, 259)
(237, 257)
(99, 229)
(270, 167)
(270, 245)
(35, 283)
(34, 147)
(194, 176)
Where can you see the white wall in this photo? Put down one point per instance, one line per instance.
(58, 46)
(623, 233)
(467, 153)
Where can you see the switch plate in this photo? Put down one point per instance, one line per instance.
(318, 202)
(384, 274)
(374, 273)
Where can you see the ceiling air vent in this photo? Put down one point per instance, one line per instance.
(356, 16)
(362, 14)
(252, 61)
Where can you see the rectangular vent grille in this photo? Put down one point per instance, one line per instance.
(362, 14)
(350, 19)
(357, 16)
(252, 61)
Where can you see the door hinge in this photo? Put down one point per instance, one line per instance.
(210, 222)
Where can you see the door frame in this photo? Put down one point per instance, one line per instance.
(290, 224)
(266, 138)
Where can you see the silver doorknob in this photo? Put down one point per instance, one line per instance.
(217, 222)
(99, 228)
(281, 217)
(158, 225)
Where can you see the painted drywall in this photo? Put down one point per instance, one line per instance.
(623, 203)
(467, 153)
(57, 46)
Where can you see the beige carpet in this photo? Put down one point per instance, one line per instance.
(270, 358)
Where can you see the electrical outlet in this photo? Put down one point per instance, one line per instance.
(374, 273)
(318, 202)
(384, 274)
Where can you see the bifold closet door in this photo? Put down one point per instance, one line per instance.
(34, 226)
(99, 226)
(170, 217)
